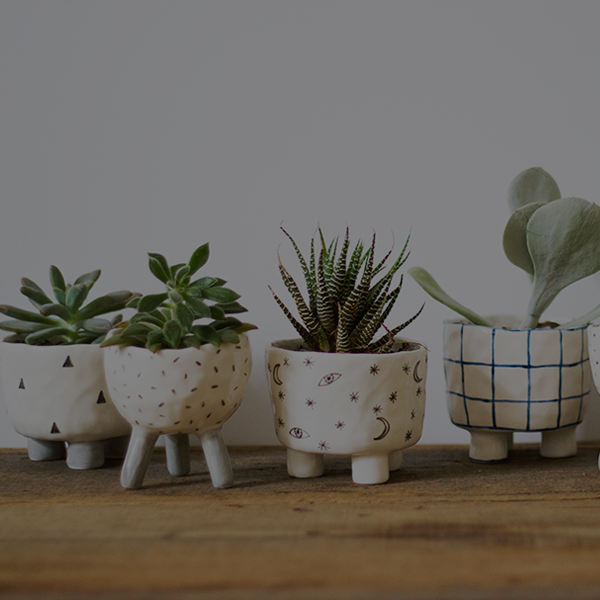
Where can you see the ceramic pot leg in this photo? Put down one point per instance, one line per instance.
(395, 460)
(45, 450)
(559, 443)
(116, 447)
(85, 455)
(370, 469)
(304, 464)
(138, 458)
(177, 447)
(217, 458)
(489, 446)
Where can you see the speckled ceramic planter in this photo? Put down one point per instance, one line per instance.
(503, 379)
(367, 406)
(58, 394)
(176, 393)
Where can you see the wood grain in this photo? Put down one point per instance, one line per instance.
(443, 527)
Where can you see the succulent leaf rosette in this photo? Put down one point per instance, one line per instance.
(349, 296)
(170, 319)
(64, 320)
(555, 240)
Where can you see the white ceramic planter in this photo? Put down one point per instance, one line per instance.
(176, 393)
(58, 394)
(367, 406)
(503, 379)
(593, 333)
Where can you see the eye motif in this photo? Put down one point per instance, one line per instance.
(298, 433)
(329, 379)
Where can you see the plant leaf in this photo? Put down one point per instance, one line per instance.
(172, 333)
(564, 245)
(56, 309)
(199, 308)
(184, 317)
(17, 326)
(430, 285)
(514, 239)
(96, 326)
(584, 320)
(24, 315)
(34, 293)
(159, 266)
(532, 185)
(76, 296)
(104, 304)
(229, 335)
(206, 334)
(199, 258)
(58, 282)
(43, 335)
(151, 302)
(89, 278)
(220, 294)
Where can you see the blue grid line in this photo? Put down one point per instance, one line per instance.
(493, 381)
(506, 401)
(528, 379)
(560, 380)
(582, 374)
(582, 328)
(517, 366)
(462, 335)
(512, 428)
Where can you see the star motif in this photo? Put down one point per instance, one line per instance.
(393, 397)
(354, 397)
(340, 425)
(286, 362)
(309, 362)
(412, 415)
(419, 391)
(374, 370)
(281, 395)
(280, 422)
(408, 436)
(310, 403)
(406, 368)
(377, 409)
(323, 446)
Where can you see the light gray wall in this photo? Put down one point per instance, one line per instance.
(139, 126)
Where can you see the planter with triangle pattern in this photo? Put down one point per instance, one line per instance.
(56, 396)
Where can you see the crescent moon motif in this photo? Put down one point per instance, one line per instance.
(386, 428)
(416, 373)
(276, 377)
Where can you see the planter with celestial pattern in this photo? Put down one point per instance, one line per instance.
(367, 406)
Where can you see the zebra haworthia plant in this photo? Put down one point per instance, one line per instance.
(347, 305)
(64, 320)
(169, 319)
(555, 240)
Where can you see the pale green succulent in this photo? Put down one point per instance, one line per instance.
(64, 320)
(555, 240)
(345, 307)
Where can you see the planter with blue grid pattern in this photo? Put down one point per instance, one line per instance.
(502, 379)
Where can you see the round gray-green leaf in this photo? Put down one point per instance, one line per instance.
(514, 239)
(532, 185)
(564, 244)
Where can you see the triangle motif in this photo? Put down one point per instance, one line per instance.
(101, 398)
(22, 385)
(68, 362)
(54, 429)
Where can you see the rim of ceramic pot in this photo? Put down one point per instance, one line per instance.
(403, 345)
(165, 351)
(46, 348)
(495, 319)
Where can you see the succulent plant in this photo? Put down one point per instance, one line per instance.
(169, 319)
(346, 305)
(64, 320)
(555, 240)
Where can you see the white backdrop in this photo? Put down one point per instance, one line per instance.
(135, 126)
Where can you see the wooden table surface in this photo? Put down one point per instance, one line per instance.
(442, 527)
